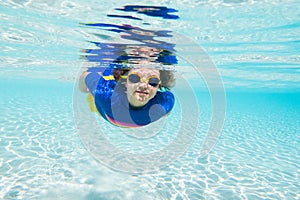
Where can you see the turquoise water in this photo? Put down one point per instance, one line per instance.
(255, 47)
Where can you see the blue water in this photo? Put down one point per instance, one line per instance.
(255, 46)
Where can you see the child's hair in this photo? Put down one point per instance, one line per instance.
(119, 72)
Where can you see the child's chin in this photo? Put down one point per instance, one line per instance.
(141, 98)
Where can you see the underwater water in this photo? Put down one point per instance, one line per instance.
(253, 45)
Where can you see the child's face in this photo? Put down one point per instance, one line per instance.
(141, 87)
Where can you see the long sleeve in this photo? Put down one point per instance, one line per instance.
(92, 81)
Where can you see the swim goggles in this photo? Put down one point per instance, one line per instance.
(154, 81)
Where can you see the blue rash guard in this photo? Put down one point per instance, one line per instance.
(112, 103)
